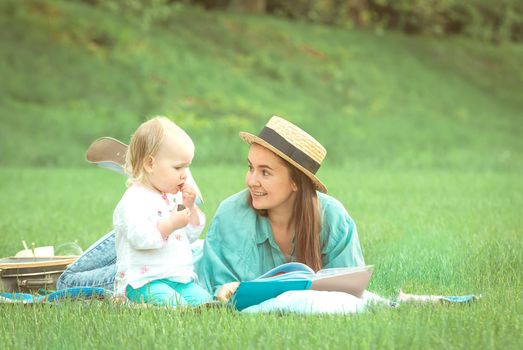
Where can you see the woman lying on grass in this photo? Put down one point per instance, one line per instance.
(284, 215)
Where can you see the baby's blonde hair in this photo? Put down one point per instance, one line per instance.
(145, 142)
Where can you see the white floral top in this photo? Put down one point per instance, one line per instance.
(143, 255)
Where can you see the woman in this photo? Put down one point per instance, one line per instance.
(284, 215)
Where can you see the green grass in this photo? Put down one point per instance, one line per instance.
(434, 232)
(424, 149)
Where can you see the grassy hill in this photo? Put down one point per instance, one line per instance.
(71, 72)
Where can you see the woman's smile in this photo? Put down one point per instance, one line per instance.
(257, 193)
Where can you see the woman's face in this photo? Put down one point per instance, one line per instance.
(269, 180)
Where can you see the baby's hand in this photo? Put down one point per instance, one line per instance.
(179, 219)
(188, 195)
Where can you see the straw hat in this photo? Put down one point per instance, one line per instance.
(292, 144)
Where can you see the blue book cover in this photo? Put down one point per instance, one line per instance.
(254, 292)
(298, 276)
(290, 276)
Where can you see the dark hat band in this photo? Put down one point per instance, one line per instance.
(291, 151)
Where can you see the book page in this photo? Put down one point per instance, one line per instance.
(288, 276)
(294, 267)
(352, 281)
(341, 270)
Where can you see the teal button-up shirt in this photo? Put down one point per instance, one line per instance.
(239, 245)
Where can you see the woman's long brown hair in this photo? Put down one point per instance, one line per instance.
(305, 218)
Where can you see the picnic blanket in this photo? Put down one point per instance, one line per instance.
(298, 301)
(303, 302)
(76, 293)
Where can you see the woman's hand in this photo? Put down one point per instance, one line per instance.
(227, 290)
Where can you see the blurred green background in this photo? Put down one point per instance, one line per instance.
(72, 71)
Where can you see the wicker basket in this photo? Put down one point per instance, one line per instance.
(32, 274)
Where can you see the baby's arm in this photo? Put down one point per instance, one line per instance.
(141, 232)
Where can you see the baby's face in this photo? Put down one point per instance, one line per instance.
(169, 170)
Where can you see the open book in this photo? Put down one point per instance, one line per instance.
(298, 276)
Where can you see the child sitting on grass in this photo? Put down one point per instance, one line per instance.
(153, 232)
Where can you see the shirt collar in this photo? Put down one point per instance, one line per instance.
(264, 233)
(264, 230)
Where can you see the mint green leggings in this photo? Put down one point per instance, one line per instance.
(168, 293)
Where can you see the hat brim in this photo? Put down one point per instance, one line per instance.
(250, 139)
